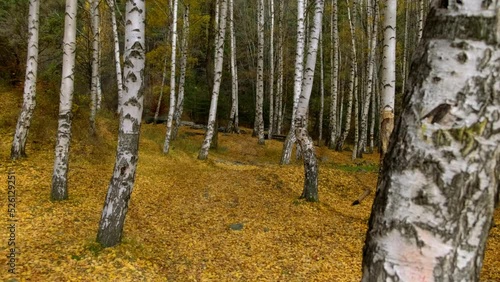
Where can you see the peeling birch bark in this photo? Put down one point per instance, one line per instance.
(436, 193)
(122, 181)
(61, 160)
(18, 149)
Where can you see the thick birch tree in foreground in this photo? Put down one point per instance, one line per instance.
(61, 160)
(388, 75)
(221, 32)
(310, 192)
(171, 108)
(123, 178)
(436, 194)
(18, 148)
(297, 84)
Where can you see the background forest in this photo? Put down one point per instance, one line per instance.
(200, 55)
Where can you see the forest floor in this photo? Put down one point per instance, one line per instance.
(183, 211)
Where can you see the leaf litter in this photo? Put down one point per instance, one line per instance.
(234, 217)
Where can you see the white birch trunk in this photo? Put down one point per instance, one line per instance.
(297, 86)
(271, 70)
(160, 98)
(369, 86)
(405, 48)
(95, 104)
(165, 61)
(233, 125)
(322, 91)
(122, 181)
(259, 108)
(116, 42)
(310, 192)
(221, 31)
(352, 85)
(334, 62)
(436, 194)
(420, 19)
(279, 83)
(18, 149)
(354, 74)
(374, 107)
(171, 108)
(388, 74)
(182, 76)
(61, 160)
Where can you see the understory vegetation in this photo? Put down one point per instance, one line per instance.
(235, 217)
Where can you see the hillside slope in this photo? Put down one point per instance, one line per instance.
(235, 217)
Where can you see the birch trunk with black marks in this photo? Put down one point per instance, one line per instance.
(221, 31)
(436, 194)
(171, 108)
(369, 85)
(233, 125)
(116, 42)
(354, 74)
(345, 132)
(322, 91)
(310, 192)
(388, 75)
(278, 112)
(94, 88)
(297, 85)
(61, 160)
(259, 107)
(271, 70)
(334, 77)
(179, 107)
(165, 61)
(122, 181)
(18, 149)
(421, 15)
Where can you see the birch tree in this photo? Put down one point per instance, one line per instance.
(116, 42)
(165, 62)
(61, 160)
(310, 192)
(352, 84)
(388, 74)
(373, 31)
(436, 194)
(271, 70)
(334, 62)
(354, 74)
(171, 108)
(278, 112)
(233, 125)
(297, 85)
(221, 31)
(259, 108)
(182, 75)
(18, 149)
(322, 91)
(123, 178)
(95, 85)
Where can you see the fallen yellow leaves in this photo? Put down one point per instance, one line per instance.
(178, 224)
